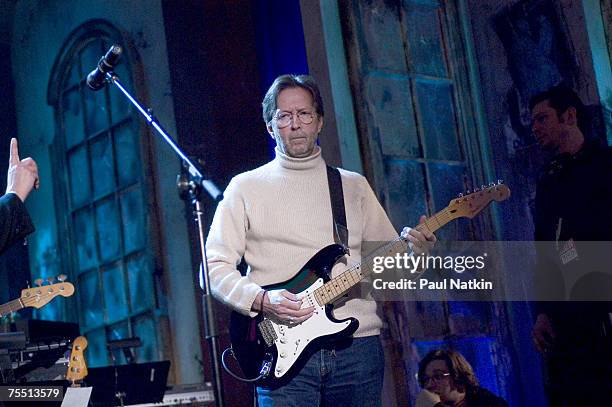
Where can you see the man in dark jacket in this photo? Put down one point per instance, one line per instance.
(573, 227)
(15, 223)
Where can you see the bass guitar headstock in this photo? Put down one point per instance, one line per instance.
(39, 296)
(77, 367)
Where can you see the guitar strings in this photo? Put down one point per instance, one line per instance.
(442, 218)
(36, 297)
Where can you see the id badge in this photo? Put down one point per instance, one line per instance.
(568, 252)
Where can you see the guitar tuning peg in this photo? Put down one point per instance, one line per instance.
(38, 281)
(483, 187)
(476, 189)
(467, 192)
(50, 280)
(491, 184)
(499, 182)
(62, 277)
(460, 195)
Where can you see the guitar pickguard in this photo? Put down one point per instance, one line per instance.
(291, 341)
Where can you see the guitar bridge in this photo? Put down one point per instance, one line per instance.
(267, 332)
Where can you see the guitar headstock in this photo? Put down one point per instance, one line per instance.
(471, 204)
(77, 367)
(39, 296)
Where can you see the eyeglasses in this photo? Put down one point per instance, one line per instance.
(283, 119)
(437, 376)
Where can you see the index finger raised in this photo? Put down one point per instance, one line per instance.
(14, 152)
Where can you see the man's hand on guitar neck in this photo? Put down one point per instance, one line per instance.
(420, 237)
(283, 306)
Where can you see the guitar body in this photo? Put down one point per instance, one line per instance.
(256, 341)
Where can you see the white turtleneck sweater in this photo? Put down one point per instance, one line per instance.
(278, 216)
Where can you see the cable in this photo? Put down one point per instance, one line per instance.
(265, 368)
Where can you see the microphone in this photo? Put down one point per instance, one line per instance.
(97, 78)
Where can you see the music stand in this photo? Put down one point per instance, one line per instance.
(137, 383)
(126, 345)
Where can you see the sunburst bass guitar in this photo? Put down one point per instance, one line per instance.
(270, 352)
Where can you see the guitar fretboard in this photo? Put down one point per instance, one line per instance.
(11, 306)
(464, 206)
(341, 284)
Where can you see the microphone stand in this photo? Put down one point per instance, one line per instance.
(190, 187)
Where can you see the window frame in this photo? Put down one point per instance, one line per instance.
(149, 253)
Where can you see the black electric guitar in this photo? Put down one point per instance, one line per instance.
(38, 296)
(272, 351)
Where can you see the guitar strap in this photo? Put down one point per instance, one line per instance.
(336, 196)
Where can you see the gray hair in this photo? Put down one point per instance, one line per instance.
(283, 82)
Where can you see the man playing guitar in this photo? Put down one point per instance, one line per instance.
(276, 217)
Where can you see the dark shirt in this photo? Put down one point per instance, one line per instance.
(578, 190)
(15, 222)
(574, 204)
(481, 397)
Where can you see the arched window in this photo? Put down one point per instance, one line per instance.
(104, 211)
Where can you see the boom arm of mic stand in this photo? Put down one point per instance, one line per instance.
(207, 184)
(194, 185)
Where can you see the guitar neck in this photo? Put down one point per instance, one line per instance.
(464, 206)
(341, 284)
(436, 221)
(11, 306)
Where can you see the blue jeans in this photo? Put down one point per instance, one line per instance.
(349, 373)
